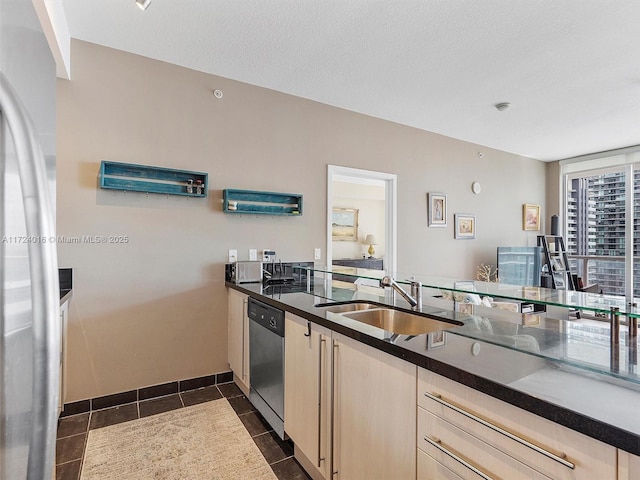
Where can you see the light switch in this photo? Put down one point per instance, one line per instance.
(317, 254)
(253, 254)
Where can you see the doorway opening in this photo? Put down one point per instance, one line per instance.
(363, 203)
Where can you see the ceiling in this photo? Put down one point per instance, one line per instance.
(569, 68)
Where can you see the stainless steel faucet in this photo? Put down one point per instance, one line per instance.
(415, 299)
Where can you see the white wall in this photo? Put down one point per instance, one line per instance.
(154, 309)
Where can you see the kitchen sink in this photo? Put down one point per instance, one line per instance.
(398, 321)
(347, 307)
(390, 319)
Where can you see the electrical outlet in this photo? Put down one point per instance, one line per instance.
(268, 255)
(233, 256)
(253, 254)
(317, 254)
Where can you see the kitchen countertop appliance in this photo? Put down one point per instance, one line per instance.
(266, 362)
(245, 272)
(282, 277)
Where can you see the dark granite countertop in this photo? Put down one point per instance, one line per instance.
(65, 295)
(481, 355)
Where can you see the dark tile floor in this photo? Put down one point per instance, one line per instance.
(73, 430)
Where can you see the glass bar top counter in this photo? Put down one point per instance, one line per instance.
(572, 299)
(585, 345)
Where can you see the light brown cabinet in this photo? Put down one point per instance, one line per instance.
(351, 412)
(238, 339)
(307, 394)
(374, 413)
(628, 466)
(349, 408)
(473, 435)
(430, 469)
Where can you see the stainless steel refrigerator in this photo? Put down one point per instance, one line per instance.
(29, 299)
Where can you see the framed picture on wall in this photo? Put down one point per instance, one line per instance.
(437, 206)
(530, 217)
(344, 225)
(465, 226)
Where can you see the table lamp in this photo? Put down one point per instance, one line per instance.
(371, 240)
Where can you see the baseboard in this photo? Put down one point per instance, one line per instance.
(145, 393)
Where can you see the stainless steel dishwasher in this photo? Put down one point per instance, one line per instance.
(266, 362)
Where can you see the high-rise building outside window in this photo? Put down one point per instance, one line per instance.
(602, 222)
(596, 228)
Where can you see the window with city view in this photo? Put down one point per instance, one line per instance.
(597, 228)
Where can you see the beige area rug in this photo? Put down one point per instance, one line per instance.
(206, 441)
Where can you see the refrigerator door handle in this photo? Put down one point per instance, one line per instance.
(44, 282)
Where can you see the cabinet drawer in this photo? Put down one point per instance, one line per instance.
(551, 449)
(430, 469)
(465, 454)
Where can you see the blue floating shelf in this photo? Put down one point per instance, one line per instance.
(144, 178)
(266, 203)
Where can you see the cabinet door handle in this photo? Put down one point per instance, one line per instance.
(308, 334)
(334, 368)
(558, 458)
(438, 444)
(245, 304)
(321, 347)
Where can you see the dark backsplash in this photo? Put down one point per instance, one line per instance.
(296, 276)
(287, 270)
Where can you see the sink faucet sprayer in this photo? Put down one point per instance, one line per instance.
(415, 299)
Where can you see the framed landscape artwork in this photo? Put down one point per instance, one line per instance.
(437, 206)
(530, 217)
(465, 227)
(344, 225)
